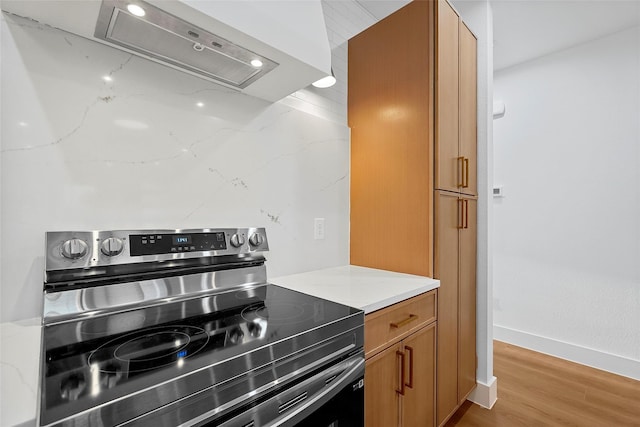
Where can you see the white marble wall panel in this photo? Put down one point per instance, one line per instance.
(95, 138)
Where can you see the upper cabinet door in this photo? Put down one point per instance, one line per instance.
(456, 104)
(468, 129)
(447, 165)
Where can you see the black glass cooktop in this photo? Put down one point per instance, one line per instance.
(95, 360)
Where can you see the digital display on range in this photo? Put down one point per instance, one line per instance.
(181, 240)
(157, 244)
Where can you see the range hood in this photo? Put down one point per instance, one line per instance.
(264, 48)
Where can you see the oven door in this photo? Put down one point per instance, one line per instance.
(333, 397)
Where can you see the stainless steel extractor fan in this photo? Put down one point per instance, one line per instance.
(148, 30)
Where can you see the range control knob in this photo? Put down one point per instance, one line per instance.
(112, 246)
(74, 248)
(256, 239)
(237, 240)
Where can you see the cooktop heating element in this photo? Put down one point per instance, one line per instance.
(180, 327)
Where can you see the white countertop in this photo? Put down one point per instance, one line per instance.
(365, 288)
(19, 372)
(359, 287)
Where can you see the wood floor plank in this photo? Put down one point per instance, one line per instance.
(538, 390)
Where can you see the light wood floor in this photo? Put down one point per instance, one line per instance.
(539, 390)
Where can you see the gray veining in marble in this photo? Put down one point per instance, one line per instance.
(95, 138)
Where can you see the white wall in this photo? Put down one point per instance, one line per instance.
(79, 152)
(567, 232)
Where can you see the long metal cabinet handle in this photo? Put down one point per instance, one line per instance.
(460, 177)
(404, 322)
(460, 214)
(466, 214)
(465, 182)
(410, 350)
(401, 354)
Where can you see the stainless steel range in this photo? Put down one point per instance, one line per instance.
(180, 328)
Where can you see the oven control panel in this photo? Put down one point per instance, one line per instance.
(86, 249)
(155, 244)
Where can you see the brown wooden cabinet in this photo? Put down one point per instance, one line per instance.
(468, 109)
(390, 108)
(455, 264)
(467, 358)
(418, 409)
(381, 400)
(455, 209)
(447, 166)
(412, 112)
(456, 100)
(400, 343)
(446, 262)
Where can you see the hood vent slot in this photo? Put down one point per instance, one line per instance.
(169, 39)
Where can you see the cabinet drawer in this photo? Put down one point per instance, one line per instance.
(384, 327)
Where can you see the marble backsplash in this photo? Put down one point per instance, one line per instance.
(96, 138)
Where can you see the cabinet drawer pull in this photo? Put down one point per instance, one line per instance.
(460, 214)
(401, 354)
(410, 350)
(404, 322)
(460, 177)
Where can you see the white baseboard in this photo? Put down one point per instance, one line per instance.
(586, 356)
(485, 395)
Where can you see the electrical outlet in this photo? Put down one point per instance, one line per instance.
(318, 228)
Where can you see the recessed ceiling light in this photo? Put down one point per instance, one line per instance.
(136, 10)
(107, 78)
(325, 82)
(200, 104)
(256, 63)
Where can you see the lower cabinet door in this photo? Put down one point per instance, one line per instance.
(467, 302)
(381, 380)
(420, 381)
(449, 219)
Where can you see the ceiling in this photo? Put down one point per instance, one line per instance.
(523, 29)
(346, 18)
(381, 8)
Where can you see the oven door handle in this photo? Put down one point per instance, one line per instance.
(354, 370)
